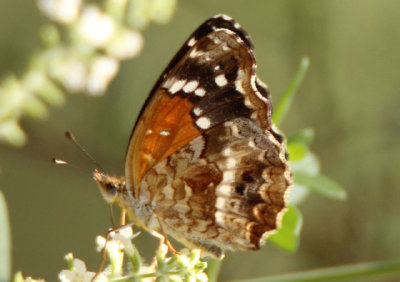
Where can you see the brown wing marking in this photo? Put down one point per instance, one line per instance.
(226, 188)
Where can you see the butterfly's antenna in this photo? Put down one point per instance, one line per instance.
(58, 161)
(72, 138)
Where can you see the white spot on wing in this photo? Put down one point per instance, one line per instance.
(200, 92)
(219, 218)
(247, 102)
(148, 132)
(216, 40)
(191, 42)
(239, 81)
(167, 83)
(232, 126)
(203, 122)
(227, 152)
(224, 190)
(195, 53)
(239, 86)
(228, 176)
(220, 203)
(225, 47)
(231, 163)
(191, 86)
(176, 86)
(220, 80)
(252, 144)
(197, 111)
(148, 157)
(225, 17)
(165, 133)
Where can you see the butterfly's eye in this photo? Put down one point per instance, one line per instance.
(109, 191)
(109, 186)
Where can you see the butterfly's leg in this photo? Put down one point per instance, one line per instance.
(122, 218)
(163, 238)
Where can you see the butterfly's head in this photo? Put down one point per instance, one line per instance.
(110, 186)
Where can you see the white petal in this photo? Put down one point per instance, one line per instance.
(100, 242)
(65, 11)
(95, 27)
(101, 73)
(79, 265)
(88, 276)
(126, 45)
(67, 276)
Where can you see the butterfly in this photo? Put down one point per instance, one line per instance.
(204, 163)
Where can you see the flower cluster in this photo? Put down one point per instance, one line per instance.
(84, 45)
(182, 267)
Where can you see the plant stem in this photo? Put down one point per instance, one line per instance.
(346, 272)
(214, 265)
(287, 97)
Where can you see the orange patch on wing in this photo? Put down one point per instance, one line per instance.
(164, 127)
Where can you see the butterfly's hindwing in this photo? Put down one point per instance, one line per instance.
(224, 189)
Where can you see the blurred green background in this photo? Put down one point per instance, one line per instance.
(351, 97)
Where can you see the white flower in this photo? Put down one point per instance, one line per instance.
(116, 256)
(95, 27)
(100, 242)
(64, 11)
(102, 71)
(20, 278)
(125, 45)
(71, 72)
(125, 236)
(79, 274)
(201, 277)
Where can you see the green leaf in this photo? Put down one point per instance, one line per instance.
(308, 164)
(288, 235)
(297, 151)
(321, 184)
(304, 136)
(5, 241)
(287, 97)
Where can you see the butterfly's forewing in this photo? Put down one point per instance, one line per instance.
(218, 51)
(203, 153)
